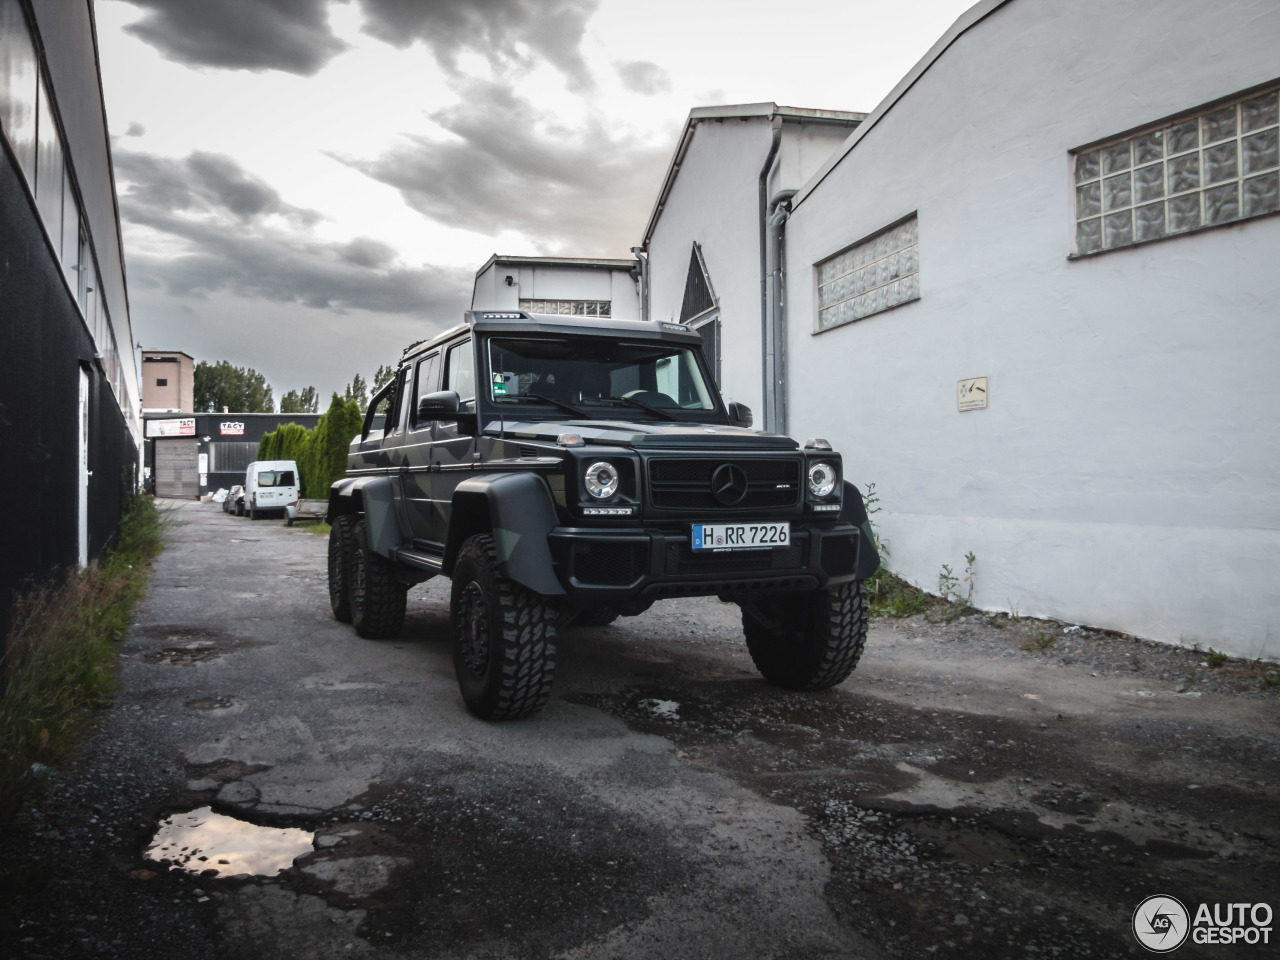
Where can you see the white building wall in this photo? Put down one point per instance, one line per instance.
(715, 201)
(1127, 472)
(556, 281)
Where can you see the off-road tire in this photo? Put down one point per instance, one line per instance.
(599, 617)
(807, 641)
(340, 543)
(504, 650)
(376, 596)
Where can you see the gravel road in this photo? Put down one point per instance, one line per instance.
(979, 788)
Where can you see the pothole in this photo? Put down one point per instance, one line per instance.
(211, 703)
(189, 653)
(208, 844)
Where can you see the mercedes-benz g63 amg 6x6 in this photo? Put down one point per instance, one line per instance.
(571, 470)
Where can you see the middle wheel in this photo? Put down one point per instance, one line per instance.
(504, 649)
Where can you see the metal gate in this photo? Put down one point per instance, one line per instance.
(178, 469)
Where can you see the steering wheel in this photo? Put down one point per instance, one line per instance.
(652, 397)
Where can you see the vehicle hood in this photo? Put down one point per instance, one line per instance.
(641, 434)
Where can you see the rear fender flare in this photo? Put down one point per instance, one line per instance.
(376, 498)
(517, 511)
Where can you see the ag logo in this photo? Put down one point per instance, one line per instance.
(1161, 924)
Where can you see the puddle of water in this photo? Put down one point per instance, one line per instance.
(210, 844)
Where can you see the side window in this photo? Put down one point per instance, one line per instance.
(460, 375)
(380, 414)
(428, 371)
(403, 415)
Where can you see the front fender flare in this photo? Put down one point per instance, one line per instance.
(516, 509)
(854, 510)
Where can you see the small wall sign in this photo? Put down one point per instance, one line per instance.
(231, 428)
(971, 394)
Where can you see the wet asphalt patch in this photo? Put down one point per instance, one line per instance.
(493, 855)
(1031, 838)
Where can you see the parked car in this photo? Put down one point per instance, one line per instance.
(270, 485)
(233, 503)
(573, 470)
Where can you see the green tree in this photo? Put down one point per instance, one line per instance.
(304, 401)
(325, 454)
(237, 389)
(381, 376)
(357, 390)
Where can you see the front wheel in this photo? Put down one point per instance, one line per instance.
(807, 641)
(377, 597)
(504, 650)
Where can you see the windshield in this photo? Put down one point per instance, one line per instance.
(584, 375)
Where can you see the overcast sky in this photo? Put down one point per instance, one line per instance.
(306, 186)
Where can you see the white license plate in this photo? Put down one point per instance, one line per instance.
(740, 536)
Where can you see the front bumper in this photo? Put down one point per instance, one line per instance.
(613, 566)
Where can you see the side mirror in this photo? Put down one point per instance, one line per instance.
(438, 405)
(739, 414)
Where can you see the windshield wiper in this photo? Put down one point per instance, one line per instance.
(656, 411)
(539, 398)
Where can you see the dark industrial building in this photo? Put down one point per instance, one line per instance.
(192, 454)
(70, 426)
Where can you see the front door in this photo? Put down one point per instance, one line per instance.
(453, 451)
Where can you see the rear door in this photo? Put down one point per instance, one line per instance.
(423, 378)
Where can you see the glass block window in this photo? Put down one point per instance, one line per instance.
(873, 275)
(569, 308)
(1210, 168)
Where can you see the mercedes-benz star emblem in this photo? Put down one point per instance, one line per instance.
(729, 484)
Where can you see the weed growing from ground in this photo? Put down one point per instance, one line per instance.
(1040, 642)
(59, 661)
(1215, 658)
(891, 596)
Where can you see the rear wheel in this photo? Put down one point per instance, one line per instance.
(340, 535)
(505, 637)
(807, 641)
(377, 597)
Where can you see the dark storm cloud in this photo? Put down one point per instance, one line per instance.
(584, 191)
(507, 32)
(288, 35)
(207, 182)
(645, 77)
(232, 233)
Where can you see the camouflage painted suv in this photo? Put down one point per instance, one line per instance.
(571, 470)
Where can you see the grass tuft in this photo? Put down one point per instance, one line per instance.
(59, 660)
(891, 596)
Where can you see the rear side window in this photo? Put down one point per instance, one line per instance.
(276, 478)
(381, 415)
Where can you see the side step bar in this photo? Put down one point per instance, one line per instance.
(423, 561)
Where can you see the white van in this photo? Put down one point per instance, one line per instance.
(270, 485)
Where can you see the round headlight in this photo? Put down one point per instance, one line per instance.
(822, 478)
(602, 480)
